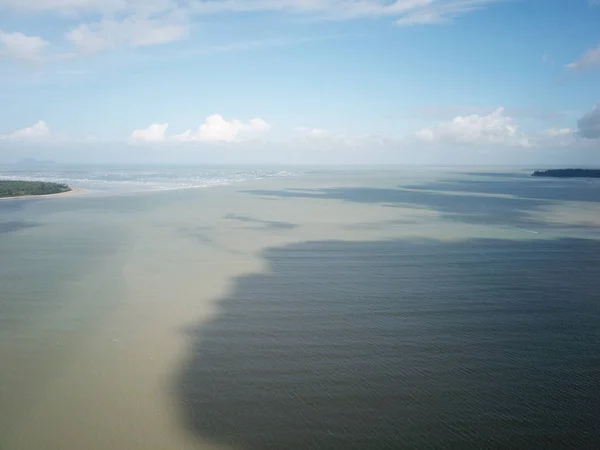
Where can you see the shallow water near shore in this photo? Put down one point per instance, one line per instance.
(301, 308)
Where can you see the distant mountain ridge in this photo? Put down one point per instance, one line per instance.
(35, 162)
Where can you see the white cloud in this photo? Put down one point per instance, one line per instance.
(548, 58)
(72, 7)
(428, 12)
(405, 12)
(446, 112)
(589, 60)
(589, 124)
(19, 46)
(38, 131)
(558, 132)
(557, 138)
(216, 128)
(114, 24)
(312, 132)
(495, 128)
(153, 133)
(131, 32)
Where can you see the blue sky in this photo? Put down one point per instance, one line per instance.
(399, 81)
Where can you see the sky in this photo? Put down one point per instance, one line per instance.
(477, 82)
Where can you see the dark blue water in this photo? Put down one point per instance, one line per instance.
(478, 344)
(485, 199)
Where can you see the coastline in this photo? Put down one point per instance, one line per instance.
(58, 194)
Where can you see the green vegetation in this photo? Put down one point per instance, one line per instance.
(10, 188)
(568, 173)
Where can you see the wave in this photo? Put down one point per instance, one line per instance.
(143, 180)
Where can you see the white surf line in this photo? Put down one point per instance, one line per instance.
(527, 231)
(524, 230)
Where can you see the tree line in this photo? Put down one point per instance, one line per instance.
(16, 188)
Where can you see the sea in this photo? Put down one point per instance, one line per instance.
(300, 308)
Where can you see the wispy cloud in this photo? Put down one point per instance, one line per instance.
(73, 8)
(405, 12)
(589, 60)
(441, 12)
(445, 112)
(20, 46)
(131, 32)
(98, 25)
(256, 44)
(39, 131)
(248, 45)
(589, 124)
(496, 128)
(152, 133)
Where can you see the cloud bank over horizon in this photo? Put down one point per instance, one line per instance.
(486, 137)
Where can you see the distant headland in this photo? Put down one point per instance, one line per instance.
(568, 173)
(32, 162)
(17, 189)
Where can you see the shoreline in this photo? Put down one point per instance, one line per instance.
(74, 191)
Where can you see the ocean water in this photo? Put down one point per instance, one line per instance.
(300, 308)
(399, 344)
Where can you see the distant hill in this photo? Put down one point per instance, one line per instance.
(568, 173)
(29, 162)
